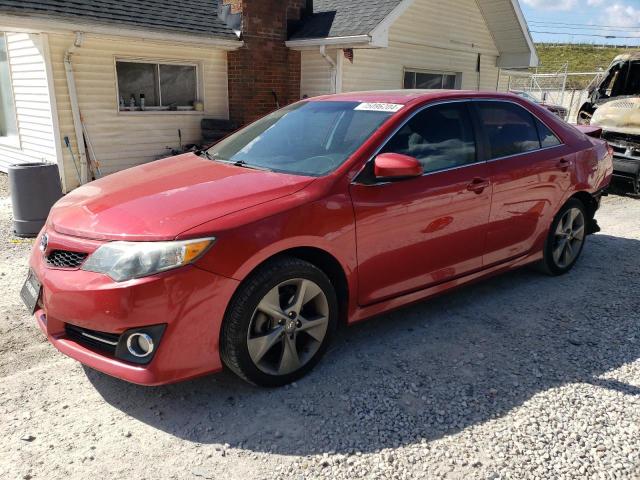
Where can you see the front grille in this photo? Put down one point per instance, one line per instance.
(104, 342)
(623, 145)
(65, 259)
(622, 150)
(621, 138)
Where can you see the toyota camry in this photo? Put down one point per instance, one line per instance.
(249, 254)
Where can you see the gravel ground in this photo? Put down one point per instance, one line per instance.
(522, 376)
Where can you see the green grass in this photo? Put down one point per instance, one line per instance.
(581, 58)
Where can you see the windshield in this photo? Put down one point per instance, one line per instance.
(622, 79)
(307, 138)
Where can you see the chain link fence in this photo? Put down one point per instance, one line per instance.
(563, 88)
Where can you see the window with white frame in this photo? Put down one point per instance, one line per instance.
(154, 86)
(8, 126)
(425, 79)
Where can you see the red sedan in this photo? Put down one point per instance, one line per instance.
(249, 254)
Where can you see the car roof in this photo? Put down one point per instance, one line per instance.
(412, 98)
(406, 97)
(627, 57)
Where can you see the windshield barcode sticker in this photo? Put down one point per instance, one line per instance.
(380, 107)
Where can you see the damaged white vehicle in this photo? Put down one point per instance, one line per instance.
(614, 105)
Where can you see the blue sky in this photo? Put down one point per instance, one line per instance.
(587, 21)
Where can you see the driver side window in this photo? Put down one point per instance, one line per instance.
(440, 137)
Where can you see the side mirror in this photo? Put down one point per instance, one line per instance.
(396, 166)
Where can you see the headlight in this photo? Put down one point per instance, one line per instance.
(127, 260)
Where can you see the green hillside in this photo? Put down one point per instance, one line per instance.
(581, 58)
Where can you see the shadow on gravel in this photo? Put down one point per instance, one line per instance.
(425, 371)
(622, 189)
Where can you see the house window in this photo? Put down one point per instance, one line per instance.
(8, 127)
(429, 80)
(163, 87)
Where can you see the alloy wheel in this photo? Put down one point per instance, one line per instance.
(288, 327)
(569, 237)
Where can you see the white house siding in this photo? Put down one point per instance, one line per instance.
(36, 137)
(122, 140)
(503, 82)
(316, 77)
(430, 35)
(384, 69)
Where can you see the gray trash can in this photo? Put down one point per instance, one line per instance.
(35, 187)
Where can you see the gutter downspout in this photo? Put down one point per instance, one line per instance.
(75, 107)
(479, 70)
(336, 70)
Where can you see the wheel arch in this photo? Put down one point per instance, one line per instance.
(332, 268)
(584, 197)
(590, 203)
(323, 260)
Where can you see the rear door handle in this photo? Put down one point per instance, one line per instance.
(564, 164)
(478, 185)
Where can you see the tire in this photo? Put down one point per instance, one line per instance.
(566, 239)
(270, 335)
(585, 114)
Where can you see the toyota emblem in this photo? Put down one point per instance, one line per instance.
(44, 242)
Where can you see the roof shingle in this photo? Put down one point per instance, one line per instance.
(344, 18)
(199, 17)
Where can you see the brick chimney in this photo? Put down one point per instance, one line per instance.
(264, 73)
(236, 5)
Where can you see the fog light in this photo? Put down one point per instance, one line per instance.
(140, 344)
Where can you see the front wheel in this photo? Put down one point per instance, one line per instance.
(566, 238)
(585, 114)
(279, 323)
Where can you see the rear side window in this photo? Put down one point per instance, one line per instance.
(510, 129)
(547, 137)
(440, 137)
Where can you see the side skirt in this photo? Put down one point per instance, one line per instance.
(363, 313)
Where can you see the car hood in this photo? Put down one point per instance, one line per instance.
(160, 200)
(622, 116)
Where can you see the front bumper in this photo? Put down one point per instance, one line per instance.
(627, 169)
(189, 301)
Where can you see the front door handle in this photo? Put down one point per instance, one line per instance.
(564, 164)
(478, 185)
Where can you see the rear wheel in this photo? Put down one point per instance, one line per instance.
(279, 323)
(566, 238)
